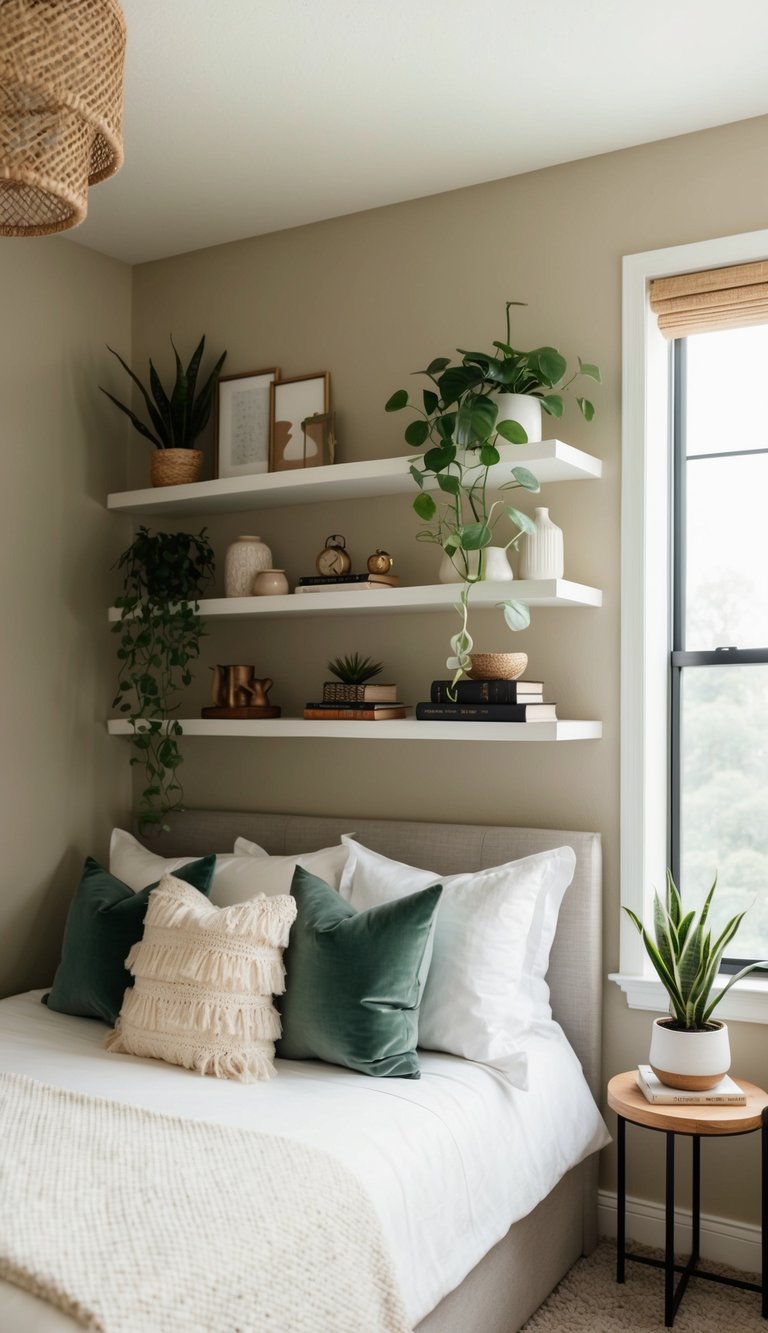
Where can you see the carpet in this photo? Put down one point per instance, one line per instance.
(589, 1300)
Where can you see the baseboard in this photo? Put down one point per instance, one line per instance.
(722, 1241)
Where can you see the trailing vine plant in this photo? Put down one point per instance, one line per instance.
(164, 575)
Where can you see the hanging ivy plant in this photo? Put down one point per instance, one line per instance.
(164, 575)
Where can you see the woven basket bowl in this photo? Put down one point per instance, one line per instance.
(172, 467)
(497, 666)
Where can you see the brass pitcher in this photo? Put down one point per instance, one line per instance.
(238, 687)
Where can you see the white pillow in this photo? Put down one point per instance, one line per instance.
(486, 984)
(238, 876)
(205, 977)
(275, 873)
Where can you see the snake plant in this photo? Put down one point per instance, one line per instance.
(685, 956)
(178, 417)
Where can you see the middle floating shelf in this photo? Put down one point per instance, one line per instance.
(428, 597)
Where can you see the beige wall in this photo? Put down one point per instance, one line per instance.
(370, 298)
(63, 782)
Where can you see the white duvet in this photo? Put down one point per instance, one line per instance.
(449, 1161)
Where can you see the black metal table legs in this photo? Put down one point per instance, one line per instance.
(673, 1294)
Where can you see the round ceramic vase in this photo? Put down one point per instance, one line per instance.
(523, 408)
(541, 552)
(693, 1061)
(245, 558)
(495, 566)
(271, 583)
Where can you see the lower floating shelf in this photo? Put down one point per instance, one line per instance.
(408, 730)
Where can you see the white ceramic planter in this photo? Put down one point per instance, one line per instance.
(541, 552)
(525, 409)
(693, 1061)
(495, 566)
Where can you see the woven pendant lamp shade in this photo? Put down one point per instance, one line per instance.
(61, 109)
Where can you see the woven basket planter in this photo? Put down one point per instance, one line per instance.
(173, 467)
(61, 110)
(497, 666)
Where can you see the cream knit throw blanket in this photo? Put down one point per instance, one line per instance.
(133, 1222)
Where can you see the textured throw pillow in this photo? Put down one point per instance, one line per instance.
(353, 987)
(204, 981)
(486, 983)
(275, 873)
(105, 920)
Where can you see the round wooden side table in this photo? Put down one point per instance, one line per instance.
(697, 1122)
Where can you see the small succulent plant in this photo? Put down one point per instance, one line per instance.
(354, 670)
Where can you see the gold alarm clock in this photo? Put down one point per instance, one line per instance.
(380, 562)
(334, 558)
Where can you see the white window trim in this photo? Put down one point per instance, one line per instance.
(646, 612)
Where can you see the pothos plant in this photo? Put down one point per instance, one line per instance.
(164, 575)
(458, 426)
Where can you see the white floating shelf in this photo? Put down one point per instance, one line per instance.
(407, 730)
(431, 597)
(550, 460)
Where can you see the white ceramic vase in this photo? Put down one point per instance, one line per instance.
(495, 566)
(693, 1061)
(271, 583)
(245, 558)
(523, 408)
(541, 552)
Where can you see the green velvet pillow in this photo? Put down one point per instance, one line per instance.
(105, 920)
(352, 979)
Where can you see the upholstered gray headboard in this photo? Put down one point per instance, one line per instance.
(575, 973)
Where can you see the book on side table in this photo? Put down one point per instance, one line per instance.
(724, 1093)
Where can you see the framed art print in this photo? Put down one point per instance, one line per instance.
(243, 435)
(296, 404)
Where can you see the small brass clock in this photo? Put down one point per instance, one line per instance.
(380, 562)
(334, 559)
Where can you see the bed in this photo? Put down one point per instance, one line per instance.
(475, 1245)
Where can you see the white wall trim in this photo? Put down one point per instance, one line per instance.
(722, 1241)
(645, 614)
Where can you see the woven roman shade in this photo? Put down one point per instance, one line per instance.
(717, 298)
(61, 109)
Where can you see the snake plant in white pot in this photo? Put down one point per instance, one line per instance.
(690, 1049)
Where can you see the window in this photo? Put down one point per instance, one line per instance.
(719, 681)
(694, 581)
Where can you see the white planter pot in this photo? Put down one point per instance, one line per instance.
(523, 408)
(495, 566)
(693, 1061)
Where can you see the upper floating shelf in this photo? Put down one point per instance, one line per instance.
(550, 460)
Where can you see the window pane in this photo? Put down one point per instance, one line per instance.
(724, 798)
(722, 415)
(727, 553)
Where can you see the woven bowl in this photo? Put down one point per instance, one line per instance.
(497, 666)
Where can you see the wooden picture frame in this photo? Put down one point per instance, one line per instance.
(293, 403)
(244, 415)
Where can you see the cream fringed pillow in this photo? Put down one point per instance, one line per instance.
(205, 977)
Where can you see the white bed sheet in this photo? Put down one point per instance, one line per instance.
(449, 1161)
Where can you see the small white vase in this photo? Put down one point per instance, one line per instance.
(271, 583)
(523, 408)
(245, 558)
(495, 566)
(693, 1061)
(541, 552)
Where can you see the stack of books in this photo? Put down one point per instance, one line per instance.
(356, 703)
(724, 1093)
(486, 701)
(349, 582)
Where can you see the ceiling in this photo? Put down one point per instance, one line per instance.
(250, 116)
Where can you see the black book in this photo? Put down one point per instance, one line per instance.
(319, 580)
(487, 692)
(535, 712)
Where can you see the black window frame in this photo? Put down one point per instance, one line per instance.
(680, 658)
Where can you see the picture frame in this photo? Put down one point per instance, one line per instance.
(294, 403)
(244, 434)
